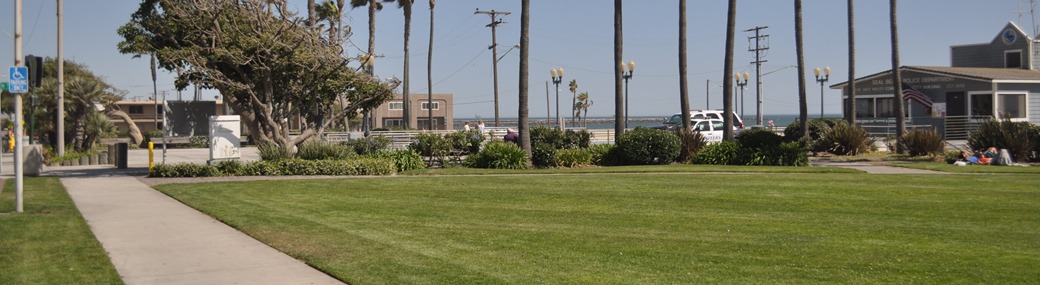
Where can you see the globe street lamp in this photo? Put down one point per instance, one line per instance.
(741, 80)
(557, 77)
(822, 79)
(626, 73)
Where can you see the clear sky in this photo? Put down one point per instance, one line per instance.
(578, 36)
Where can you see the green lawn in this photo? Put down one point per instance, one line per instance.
(645, 228)
(50, 242)
(671, 168)
(946, 167)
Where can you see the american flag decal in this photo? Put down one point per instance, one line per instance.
(909, 93)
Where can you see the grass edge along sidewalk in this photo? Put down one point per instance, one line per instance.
(649, 228)
(49, 243)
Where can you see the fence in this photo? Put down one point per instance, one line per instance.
(401, 139)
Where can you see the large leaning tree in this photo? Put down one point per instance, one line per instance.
(266, 63)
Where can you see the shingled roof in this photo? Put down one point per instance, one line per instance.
(975, 73)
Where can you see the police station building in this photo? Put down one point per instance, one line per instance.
(999, 79)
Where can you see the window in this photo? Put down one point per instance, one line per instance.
(424, 123)
(886, 107)
(865, 108)
(982, 105)
(1013, 59)
(396, 105)
(392, 123)
(1011, 106)
(159, 109)
(426, 105)
(136, 110)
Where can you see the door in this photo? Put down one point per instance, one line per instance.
(955, 104)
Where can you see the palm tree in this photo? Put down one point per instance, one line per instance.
(574, 99)
(684, 91)
(727, 85)
(406, 6)
(429, 70)
(852, 68)
(311, 13)
(897, 81)
(619, 98)
(583, 107)
(373, 6)
(525, 27)
(803, 108)
(329, 11)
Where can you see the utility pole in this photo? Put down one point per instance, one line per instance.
(707, 94)
(494, 51)
(18, 144)
(61, 81)
(761, 45)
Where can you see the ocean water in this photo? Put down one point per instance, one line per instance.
(781, 120)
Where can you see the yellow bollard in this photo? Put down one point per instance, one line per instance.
(151, 157)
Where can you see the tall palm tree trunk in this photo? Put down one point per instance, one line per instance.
(897, 79)
(684, 89)
(727, 83)
(851, 110)
(429, 71)
(803, 108)
(525, 42)
(619, 96)
(407, 6)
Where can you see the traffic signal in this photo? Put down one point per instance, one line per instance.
(35, 65)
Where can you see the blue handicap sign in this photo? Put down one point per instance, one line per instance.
(19, 79)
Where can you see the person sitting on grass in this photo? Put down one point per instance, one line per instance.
(512, 136)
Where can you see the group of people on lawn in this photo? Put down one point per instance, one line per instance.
(992, 156)
(511, 135)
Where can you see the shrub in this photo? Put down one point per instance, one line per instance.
(360, 166)
(198, 142)
(573, 157)
(784, 154)
(499, 155)
(1019, 138)
(560, 139)
(922, 142)
(643, 146)
(818, 128)
(183, 170)
(260, 168)
(691, 142)
(404, 159)
(431, 145)
(759, 138)
(844, 139)
(273, 152)
(465, 142)
(605, 154)
(543, 154)
(229, 167)
(369, 145)
(575, 139)
(319, 150)
(722, 153)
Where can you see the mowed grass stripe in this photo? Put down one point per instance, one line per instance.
(646, 228)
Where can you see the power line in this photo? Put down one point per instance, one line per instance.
(761, 45)
(494, 52)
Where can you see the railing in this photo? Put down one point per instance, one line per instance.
(958, 127)
(401, 139)
(887, 127)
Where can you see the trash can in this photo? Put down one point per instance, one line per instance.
(121, 153)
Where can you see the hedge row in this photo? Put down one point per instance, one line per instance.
(354, 167)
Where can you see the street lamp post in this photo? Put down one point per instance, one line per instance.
(741, 80)
(626, 73)
(557, 77)
(822, 80)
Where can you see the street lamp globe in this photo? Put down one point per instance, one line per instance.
(631, 65)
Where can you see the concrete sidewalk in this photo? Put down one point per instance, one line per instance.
(154, 239)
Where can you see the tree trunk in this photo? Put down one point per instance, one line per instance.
(619, 96)
(407, 121)
(851, 110)
(897, 80)
(727, 82)
(684, 91)
(429, 71)
(803, 107)
(525, 42)
(133, 131)
(310, 13)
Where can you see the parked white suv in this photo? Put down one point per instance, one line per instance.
(676, 119)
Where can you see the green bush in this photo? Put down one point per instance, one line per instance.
(818, 128)
(784, 154)
(844, 139)
(560, 139)
(198, 142)
(465, 142)
(759, 138)
(642, 146)
(543, 154)
(358, 166)
(431, 145)
(260, 168)
(229, 167)
(691, 142)
(922, 142)
(319, 150)
(605, 155)
(573, 157)
(183, 170)
(499, 155)
(404, 159)
(369, 145)
(1019, 138)
(273, 152)
(722, 153)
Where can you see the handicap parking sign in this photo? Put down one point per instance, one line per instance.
(19, 79)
